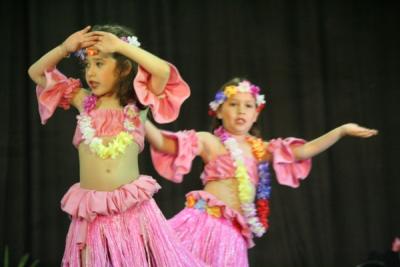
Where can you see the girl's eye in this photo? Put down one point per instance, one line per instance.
(232, 104)
(99, 64)
(250, 105)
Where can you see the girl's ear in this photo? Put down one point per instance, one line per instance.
(219, 115)
(126, 68)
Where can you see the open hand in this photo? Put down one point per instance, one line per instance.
(353, 129)
(79, 39)
(107, 42)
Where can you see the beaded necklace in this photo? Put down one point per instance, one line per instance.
(256, 214)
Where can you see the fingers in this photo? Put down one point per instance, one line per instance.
(86, 29)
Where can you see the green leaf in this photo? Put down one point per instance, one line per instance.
(6, 255)
(23, 260)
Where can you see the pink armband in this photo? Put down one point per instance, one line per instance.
(59, 91)
(288, 171)
(165, 107)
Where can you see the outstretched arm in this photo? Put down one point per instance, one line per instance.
(325, 141)
(160, 70)
(76, 41)
(158, 140)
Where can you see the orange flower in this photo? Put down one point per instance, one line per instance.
(190, 201)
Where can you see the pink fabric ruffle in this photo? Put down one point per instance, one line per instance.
(110, 122)
(174, 167)
(164, 108)
(227, 213)
(215, 241)
(87, 204)
(288, 171)
(58, 92)
(138, 237)
(222, 167)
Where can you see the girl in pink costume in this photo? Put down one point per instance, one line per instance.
(220, 221)
(115, 221)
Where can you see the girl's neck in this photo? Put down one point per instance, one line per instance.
(108, 101)
(240, 137)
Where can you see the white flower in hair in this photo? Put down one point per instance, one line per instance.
(133, 40)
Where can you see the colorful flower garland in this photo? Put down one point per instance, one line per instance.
(118, 145)
(256, 214)
(242, 87)
(81, 53)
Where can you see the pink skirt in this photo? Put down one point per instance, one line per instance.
(213, 232)
(121, 228)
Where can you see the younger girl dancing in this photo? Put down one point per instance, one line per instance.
(219, 222)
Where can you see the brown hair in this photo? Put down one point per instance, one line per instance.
(125, 91)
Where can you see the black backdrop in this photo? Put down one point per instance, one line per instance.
(320, 64)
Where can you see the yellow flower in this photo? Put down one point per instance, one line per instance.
(214, 211)
(230, 91)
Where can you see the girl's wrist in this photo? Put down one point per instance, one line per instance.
(64, 50)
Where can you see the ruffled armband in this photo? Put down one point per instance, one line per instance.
(288, 171)
(59, 91)
(174, 167)
(164, 107)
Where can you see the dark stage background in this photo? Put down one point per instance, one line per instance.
(320, 64)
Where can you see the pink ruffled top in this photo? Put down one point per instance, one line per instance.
(60, 90)
(173, 167)
(222, 167)
(110, 122)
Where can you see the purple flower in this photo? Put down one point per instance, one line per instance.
(255, 90)
(89, 103)
(80, 54)
(220, 96)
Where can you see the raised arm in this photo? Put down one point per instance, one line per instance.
(76, 41)
(325, 141)
(159, 69)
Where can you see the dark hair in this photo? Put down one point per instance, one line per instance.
(215, 122)
(125, 91)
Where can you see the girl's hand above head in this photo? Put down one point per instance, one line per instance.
(353, 129)
(107, 42)
(79, 39)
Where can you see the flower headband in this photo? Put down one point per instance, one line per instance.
(230, 90)
(81, 53)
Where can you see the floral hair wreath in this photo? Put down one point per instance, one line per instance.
(81, 53)
(230, 90)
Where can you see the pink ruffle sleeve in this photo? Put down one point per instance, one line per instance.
(174, 167)
(59, 91)
(165, 108)
(288, 171)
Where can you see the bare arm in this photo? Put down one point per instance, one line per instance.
(77, 40)
(325, 141)
(169, 145)
(158, 140)
(158, 68)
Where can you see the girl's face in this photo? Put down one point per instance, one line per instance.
(101, 74)
(238, 113)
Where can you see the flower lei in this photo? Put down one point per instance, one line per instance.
(118, 145)
(242, 87)
(81, 53)
(256, 214)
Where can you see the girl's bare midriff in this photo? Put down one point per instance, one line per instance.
(108, 174)
(225, 190)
